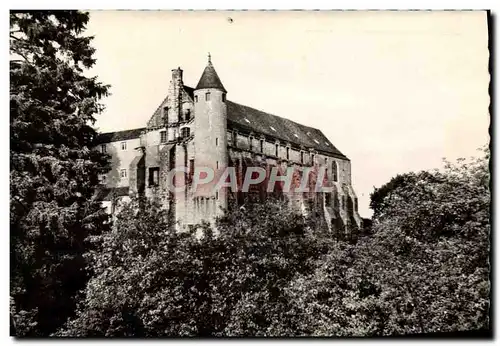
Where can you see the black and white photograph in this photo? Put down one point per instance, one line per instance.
(250, 174)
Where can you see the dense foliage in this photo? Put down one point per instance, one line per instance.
(53, 171)
(154, 281)
(266, 272)
(425, 269)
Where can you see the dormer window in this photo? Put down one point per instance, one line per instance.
(207, 97)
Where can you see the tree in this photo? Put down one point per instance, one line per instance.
(151, 280)
(53, 169)
(425, 269)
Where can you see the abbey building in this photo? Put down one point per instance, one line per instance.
(201, 127)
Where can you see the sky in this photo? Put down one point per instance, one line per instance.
(394, 91)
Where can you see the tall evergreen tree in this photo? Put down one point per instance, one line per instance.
(53, 169)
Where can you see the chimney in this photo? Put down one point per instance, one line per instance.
(177, 76)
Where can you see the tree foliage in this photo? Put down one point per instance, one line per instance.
(264, 271)
(425, 269)
(53, 170)
(151, 280)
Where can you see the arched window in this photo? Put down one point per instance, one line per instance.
(335, 173)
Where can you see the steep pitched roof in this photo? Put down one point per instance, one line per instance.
(251, 119)
(241, 117)
(119, 135)
(284, 129)
(210, 79)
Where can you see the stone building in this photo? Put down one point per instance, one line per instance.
(200, 127)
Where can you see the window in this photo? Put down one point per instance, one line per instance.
(301, 157)
(195, 98)
(277, 149)
(223, 97)
(163, 136)
(191, 170)
(328, 198)
(187, 115)
(312, 159)
(103, 148)
(207, 97)
(154, 176)
(123, 173)
(335, 171)
(185, 131)
(261, 145)
(355, 203)
(103, 178)
(216, 194)
(235, 139)
(124, 145)
(288, 153)
(217, 164)
(216, 141)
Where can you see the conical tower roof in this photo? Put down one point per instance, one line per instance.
(209, 79)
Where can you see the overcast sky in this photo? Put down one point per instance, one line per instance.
(394, 91)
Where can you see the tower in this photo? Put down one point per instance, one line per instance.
(210, 139)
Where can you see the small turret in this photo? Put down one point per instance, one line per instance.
(210, 133)
(209, 79)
